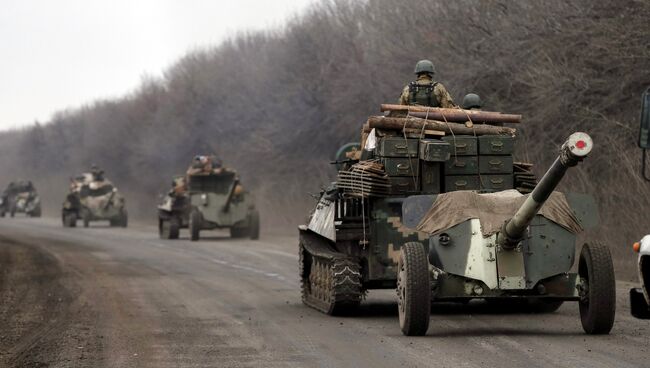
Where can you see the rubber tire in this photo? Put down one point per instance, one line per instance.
(415, 308)
(85, 217)
(598, 311)
(174, 228)
(36, 212)
(124, 219)
(70, 220)
(164, 229)
(254, 225)
(195, 225)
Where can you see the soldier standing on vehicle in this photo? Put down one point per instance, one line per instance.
(472, 101)
(425, 91)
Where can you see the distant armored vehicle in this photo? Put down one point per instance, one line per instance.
(174, 210)
(210, 197)
(435, 209)
(20, 197)
(93, 198)
(640, 297)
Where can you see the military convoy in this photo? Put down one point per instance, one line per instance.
(93, 198)
(208, 197)
(436, 211)
(20, 197)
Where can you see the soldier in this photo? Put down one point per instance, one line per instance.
(425, 91)
(472, 101)
(98, 174)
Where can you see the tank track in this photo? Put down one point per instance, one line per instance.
(330, 283)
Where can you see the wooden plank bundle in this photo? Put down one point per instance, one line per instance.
(453, 115)
(364, 179)
(389, 123)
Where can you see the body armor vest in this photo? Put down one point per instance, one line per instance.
(422, 94)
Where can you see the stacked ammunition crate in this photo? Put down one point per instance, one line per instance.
(479, 163)
(460, 162)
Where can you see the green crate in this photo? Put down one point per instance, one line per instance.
(397, 147)
(431, 177)
(497, 182)
(462, 145)
(495, 164)
(434, 150)
(462, 182)
(462, 165)
(404, 184)
(496, 145)
(395, 166)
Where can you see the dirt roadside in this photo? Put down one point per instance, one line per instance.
(62, 311)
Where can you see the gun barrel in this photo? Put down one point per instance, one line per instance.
(574, 150)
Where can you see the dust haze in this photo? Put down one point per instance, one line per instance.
(275, 105)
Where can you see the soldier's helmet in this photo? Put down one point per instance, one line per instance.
(424, 66)
(472, 101)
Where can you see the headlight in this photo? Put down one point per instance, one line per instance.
(204, 199)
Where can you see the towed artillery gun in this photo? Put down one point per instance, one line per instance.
(444, 219)
(640, 297)
(20, 197)
(90, 199)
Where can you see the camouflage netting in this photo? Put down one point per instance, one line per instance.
(492, 209)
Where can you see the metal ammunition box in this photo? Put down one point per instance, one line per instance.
(495, 164)
(397, 147)
(496, 182)
(462, 165)
(404, 184)
(462, 182)
(431, 173)
(495, 145)
(434, 150)
(462, 145)
(395, 166)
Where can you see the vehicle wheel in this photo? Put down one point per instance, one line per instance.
(164, 229)
(36, 212)
(254, 225)
(85, 217)
(174, 228)
(124, 219)
(413, 289)
(598, 289)
(70, 220)
(195, 224)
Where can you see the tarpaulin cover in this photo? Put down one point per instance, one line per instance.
(492, 209)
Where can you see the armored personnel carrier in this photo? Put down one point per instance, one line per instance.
(437, 209)
(20, 197)
(213, 198)
(93, 198)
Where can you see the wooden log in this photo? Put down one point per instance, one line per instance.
(387, 123)
(455, 115)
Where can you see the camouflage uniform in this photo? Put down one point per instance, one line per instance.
(440, 93)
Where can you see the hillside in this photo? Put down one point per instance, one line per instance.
(277, 104)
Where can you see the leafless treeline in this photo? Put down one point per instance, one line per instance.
(276, 105)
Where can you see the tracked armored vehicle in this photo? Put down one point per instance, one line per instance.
(93, 198)
(437, 211)
(20, 197)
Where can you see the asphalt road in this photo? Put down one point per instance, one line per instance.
(102, 297)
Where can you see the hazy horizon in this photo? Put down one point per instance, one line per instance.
(65, 54)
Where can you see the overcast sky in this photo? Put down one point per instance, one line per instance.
(63, 53)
